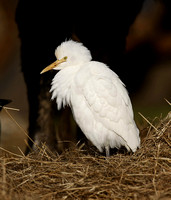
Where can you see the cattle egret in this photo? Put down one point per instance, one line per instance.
(98, 99)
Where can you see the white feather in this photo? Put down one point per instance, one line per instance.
(99, 100)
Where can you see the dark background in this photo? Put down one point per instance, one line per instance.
(141, 57)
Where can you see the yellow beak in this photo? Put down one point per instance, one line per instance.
(54, 64)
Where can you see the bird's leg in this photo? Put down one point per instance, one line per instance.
(107, 149)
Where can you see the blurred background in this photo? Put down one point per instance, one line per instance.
(148, 51)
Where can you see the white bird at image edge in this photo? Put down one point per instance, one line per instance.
(98, 99)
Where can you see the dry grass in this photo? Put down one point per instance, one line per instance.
(82, 173)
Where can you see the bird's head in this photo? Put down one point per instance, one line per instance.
(69, 53)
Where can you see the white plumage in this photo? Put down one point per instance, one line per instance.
(97, 97)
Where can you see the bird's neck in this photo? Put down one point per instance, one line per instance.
(62, 86)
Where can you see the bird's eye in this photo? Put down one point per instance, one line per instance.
(65, 57)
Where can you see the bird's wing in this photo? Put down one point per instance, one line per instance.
(109, 102)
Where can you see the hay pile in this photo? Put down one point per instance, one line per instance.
(82, 173)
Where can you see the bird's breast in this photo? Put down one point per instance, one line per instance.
(62, 86)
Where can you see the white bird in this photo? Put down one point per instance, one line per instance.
(98, 99)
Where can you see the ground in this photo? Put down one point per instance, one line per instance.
(81, 172)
